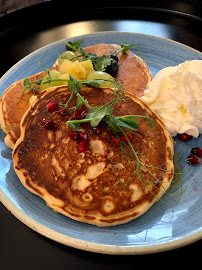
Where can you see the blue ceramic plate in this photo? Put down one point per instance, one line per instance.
(164, 226)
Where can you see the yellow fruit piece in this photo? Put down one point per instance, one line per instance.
(88, 66)
(65, 67)
(66, 77)
(78, 71)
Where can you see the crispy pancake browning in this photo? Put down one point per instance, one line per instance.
(97, 186)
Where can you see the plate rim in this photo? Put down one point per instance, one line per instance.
(95, 247)
(94, 34)
(82, 244)
(91, 246)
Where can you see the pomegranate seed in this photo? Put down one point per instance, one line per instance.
(73, 134)
(81, 145)
(197, 151)
(52, 106)
(84, 108)
(115, 140)
(76, 135)
(130, 137)
(193, 159)
(75, 114)
(170, 175)
(97, 130)
(48, 124)
(80, 113)
(185, 137)
(123, 138)
(83, 134)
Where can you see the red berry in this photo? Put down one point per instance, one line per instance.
(81, 145)
(73, 134)
(97, 130)
(52, 106)
(170, 175)
(130, 137)
(48, 124)
(185, 137)
(197, 151)
(115, 140)
(80, 113)
(76, 135)
(193, 159)
(83, 134)
(123, 138)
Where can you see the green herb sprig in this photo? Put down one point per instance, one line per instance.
(104, 113)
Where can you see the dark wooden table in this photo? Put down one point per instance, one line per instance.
(25, 31)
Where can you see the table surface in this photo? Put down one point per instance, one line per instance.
(26, 30)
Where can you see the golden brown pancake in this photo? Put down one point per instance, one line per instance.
(97, 186)
(133, 74)
(13, 107)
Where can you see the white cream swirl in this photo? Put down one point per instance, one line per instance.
(175, 94)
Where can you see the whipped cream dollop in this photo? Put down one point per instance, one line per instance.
(175, 94)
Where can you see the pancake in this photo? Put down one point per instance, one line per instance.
(98, 185)
(13, 107)
(133, 74)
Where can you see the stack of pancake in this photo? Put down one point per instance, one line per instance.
(97, 186)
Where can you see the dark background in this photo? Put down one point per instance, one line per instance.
(28, 29)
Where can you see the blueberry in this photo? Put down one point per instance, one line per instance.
(114, 56)
(113, 68)
(67, 47)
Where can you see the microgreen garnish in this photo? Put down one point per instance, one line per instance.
(99, 62)
(47, 71)
(32, 86)
(75, 46)
(125, 48)
(120, 124)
